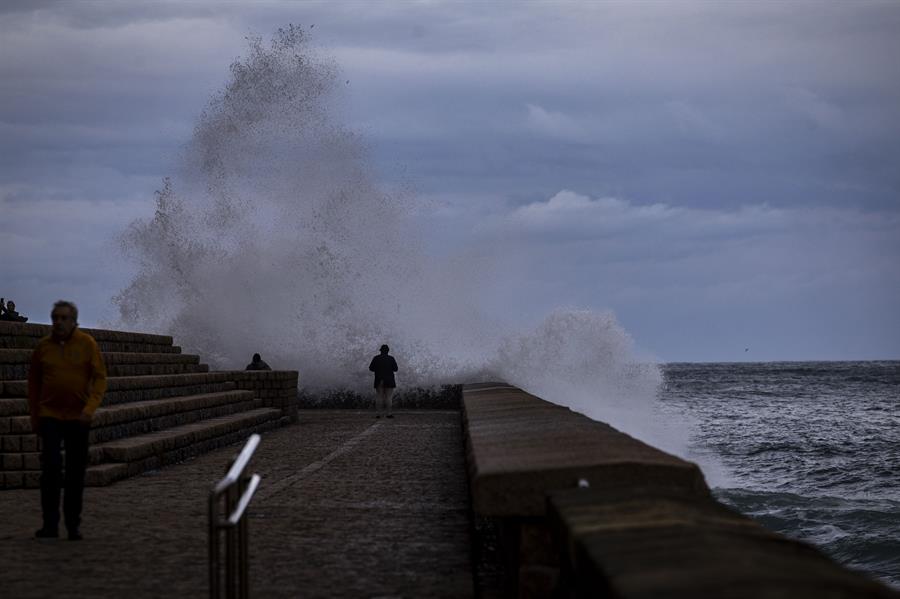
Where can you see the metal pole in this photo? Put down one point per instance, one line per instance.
(232, 489)
(231, 554)
(244, 552)
(213, 546)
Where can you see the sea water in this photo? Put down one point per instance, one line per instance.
(809, 449)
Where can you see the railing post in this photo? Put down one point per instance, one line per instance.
(244, 554)
(237, 490)
(213, 546)
(230, 535)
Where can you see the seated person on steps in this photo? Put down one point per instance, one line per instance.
(8, 312)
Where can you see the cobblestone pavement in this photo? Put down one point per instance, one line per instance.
(349, 506)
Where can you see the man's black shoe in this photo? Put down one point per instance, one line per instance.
(75, 534)
(46, 533)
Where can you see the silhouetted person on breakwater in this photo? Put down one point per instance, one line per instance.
(384, 367)
(8, 312)
(66, 383)
(257, 364)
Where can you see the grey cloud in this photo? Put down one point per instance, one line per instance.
(569, 218)
(26, 6)
(698, 108)
(762, 284)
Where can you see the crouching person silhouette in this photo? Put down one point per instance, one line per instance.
(258, 364)
(384, 367)
(66, 383)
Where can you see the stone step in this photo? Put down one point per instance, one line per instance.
(140, 416)
(133, 388)
(22, 342)
(21, 452)
(14, 372)
(155, 369)
(18, 329)
(161, 406)
(192, 441)
(23, 356)
(145, 446)
(14, 363)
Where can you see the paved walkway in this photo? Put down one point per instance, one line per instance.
(349, 506)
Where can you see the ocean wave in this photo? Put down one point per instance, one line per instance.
(863, 534)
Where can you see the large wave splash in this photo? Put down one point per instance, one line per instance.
(273, 236)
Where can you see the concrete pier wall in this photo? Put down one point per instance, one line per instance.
(580, 509)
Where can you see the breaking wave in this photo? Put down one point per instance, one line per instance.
(273, 235)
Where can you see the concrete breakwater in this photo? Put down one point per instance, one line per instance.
(576, 508)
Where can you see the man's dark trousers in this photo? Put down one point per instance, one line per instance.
(75, 436)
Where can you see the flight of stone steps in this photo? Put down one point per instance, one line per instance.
(161, 406)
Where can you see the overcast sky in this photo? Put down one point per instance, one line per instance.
(723, 176)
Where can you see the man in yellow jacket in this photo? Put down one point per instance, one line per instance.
(66, 383)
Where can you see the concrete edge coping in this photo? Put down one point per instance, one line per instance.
(613, 538)
(520, 447)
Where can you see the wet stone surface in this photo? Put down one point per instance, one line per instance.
(349, 506)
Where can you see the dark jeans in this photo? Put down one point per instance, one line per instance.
(74, 435)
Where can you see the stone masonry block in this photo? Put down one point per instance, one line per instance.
(29, 443)
(15, 388)
(31, 461)
(11, 443)
(13, 406)
(13, 480)
(15, 356)
(11, 461)
(31, 480)
(20, 425)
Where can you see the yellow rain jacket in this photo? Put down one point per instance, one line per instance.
(66, 378)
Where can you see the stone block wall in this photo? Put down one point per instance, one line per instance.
(276, 388)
